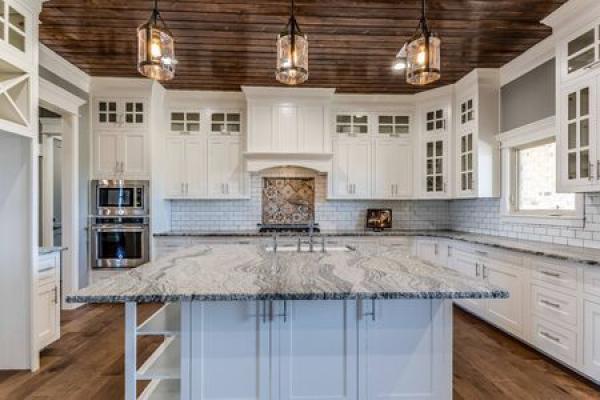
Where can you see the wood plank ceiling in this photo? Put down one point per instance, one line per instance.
(222, 44)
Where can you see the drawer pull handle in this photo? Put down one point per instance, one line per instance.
(552, 274)
(549, 336)
(549, 303)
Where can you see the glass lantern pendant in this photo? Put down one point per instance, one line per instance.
(292, 54)
(423, 54)
(156, 48)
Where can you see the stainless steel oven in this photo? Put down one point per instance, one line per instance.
(119, 198)
(117, 243)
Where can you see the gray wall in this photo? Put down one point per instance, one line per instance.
(84, 167)
(528, 98)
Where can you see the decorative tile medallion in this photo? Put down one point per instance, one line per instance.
(288, 200)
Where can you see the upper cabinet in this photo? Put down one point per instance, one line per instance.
(434, 148)
(119, 113)
(577, 141)
(182, 122)
(476, 150)
(288, 120)
(226, 122)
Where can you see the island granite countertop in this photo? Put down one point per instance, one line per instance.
(581, 255)
(224, 272)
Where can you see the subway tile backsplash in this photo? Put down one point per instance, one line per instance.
(234, 215)
(483, 216)
(475, 215)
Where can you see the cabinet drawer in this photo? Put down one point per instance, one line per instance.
(554, 340)
(591, 280)
(560, 275)
(46, 262)
(554, 306)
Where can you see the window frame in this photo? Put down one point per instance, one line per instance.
(510, 143)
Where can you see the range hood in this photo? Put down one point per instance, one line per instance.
(288, 127)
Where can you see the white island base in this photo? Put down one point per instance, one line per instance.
(295, 349)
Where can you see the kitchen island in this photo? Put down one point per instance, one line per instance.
(363, 320)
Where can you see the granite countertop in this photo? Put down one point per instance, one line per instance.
(51, 249)
(250, 272)
(561, 252)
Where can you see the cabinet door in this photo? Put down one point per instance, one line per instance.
(591, 339)
(316, 349)
(260, 135)
(393, 168)
(133, 113)
(341, 182)
(287, 128)
(468, 264)
(47, 315)
(233, 171)
(403, 350)
(134, 155)
(224, 167)
(506, 313)
(578, 164)
(195, 167)
(106, 115)
(230, 359)
(311, 124)
(106, 155)
(436, 155)
(359, 168)
(428, 250)
(465, 161)
(175, 174)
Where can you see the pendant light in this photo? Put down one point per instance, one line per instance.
(156, 48)
(423, 54)
(292, 53)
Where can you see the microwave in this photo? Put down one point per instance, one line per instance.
(120, 198)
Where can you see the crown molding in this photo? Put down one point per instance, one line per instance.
(528, 61)
(64, 69)
(284, 92)
(572, 14)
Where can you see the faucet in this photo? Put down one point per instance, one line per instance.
(311, 228)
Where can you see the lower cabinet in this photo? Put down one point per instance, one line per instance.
(465, 263)
(320, 350)
(506, 313)
(591, 338)
(47, 300)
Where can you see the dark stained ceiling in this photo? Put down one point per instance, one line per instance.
(222, 44)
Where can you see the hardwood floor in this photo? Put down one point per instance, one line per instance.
(87, 363)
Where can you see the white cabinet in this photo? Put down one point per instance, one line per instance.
(184, 122)
(387, 340)
(577, 141)
(315, 349)
(591, 340)
(121, 155)
(290, 125)
(352, 168)
(226, 122)
(224, 167)
(186, 167)
(47, 300)
(467, 263)
(232, 358)
(393, 172)
(506, 313)
(476, 151)
(435, 168)
(119, 113)
(322, 350)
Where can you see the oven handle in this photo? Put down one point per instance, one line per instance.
(120, 228)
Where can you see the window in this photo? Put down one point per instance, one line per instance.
(536, 181)
(529, 179)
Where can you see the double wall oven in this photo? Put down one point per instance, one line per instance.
(119, 221)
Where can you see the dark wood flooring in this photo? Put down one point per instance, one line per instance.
(87, 363)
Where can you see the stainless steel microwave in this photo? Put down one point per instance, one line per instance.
(120, 198)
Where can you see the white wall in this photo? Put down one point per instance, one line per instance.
(15, 254)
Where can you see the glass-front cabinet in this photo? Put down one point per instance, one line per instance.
(466, 162)
(435, 166)
(393, 125)
(579, 166)
(355, 124)
(226, 123)
(184, 122)
(119, 113)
